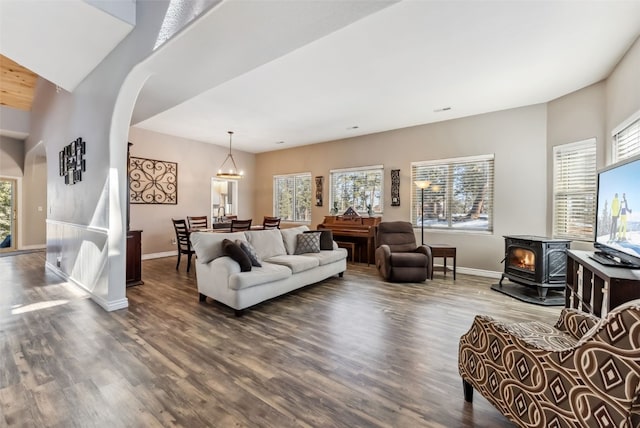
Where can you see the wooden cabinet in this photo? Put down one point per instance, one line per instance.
(594, 288)
(134, 258)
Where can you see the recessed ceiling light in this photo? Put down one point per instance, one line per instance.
(352, 127)
(279, 142)
(438, 110)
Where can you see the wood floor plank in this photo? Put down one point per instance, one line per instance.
(346, 352)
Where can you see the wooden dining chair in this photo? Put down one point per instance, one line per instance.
(271, 222)
(238, 225)
(198, 222)
(182, 239)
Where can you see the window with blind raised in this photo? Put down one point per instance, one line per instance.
(626, 143)
(574, 190)
(292, 197)
(359, 188)
(458, 193)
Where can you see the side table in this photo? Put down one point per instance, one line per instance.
(444, 251)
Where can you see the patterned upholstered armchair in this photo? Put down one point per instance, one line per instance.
(584, 372)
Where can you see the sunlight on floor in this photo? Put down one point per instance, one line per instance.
(20, 309)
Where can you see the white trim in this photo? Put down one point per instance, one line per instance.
(635, 116)
(464, 159)
(35, 247)
(105, 304)
(479, 272)
(575, 145)
(159, 255)
(293, 174)
(357, 168)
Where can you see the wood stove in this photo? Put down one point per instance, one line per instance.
(536, 261)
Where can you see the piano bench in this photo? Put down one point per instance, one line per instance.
(349, 246)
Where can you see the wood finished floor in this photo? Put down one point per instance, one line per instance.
(347, 352)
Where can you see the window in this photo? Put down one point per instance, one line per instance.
(359, 188)
(626, 142)
(459, 194)
(574, 190)
(292, 197)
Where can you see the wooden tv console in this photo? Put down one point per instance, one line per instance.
(595, 288)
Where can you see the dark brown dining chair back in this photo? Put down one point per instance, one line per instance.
(182, 239)
(271, 223)
(198, 222)
(238, 225)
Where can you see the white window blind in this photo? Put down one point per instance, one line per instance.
(359, 188)
(292, 197)
(459, 194)
(574, 190)
(626, 143)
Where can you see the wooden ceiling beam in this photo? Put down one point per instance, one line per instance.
(17, 85)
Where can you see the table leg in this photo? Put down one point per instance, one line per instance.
(445, 265)
(454, 267)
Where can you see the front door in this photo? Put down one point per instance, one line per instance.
(8, 214)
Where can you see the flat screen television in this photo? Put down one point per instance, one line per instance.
(617, 236)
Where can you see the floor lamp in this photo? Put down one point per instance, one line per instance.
(422, 184)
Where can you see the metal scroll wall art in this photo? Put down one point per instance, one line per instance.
(71, 161)
(395, 187)
(153, 181)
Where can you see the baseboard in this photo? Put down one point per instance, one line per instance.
(34, 247)
(104, 304)
(479, 272)
(159, 255)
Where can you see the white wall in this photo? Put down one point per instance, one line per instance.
(11, 157)
(85, 226)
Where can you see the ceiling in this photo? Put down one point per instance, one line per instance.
(282, 74)
(408, 63)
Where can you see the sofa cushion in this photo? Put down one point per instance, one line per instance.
(307, 243)
(289, 237)
(208, 245)
(327, 257)
(249, 251)
(234, 251)
(269, 272)
(326, 238)
(295, 263)
(268, 243)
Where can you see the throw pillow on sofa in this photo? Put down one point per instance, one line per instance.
(250, 251)
(268, 243)
(233, 250)
(308, 243)
(289, 237)
(326, 238)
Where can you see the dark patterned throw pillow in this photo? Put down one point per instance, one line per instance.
(326, 238)
(250, 252)
(308, 243)
(231, 249)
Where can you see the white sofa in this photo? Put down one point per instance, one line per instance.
(219, 276)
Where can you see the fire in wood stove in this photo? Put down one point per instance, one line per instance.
(523, 258)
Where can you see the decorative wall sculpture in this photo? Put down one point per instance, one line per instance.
(319, 181)
(71, 161)
(153, 181)
(395, 187)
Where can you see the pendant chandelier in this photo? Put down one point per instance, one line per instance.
(229, 173)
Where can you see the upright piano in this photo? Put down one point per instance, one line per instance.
(354, 228)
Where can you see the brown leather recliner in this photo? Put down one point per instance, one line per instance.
(398, 257)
